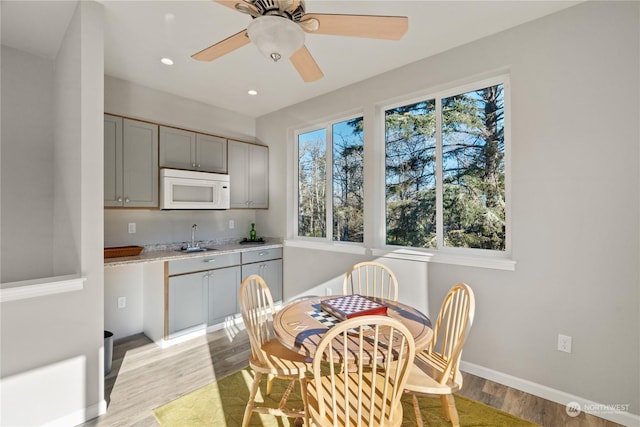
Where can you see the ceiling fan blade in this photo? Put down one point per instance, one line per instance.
(219, 49)
(229, 3)
(306, 65)
(369, 26)
(240, 6)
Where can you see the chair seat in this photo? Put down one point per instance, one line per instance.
(424, 373)
(367, 382)
(280, 361)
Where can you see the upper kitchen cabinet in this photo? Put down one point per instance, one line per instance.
(249, 175)
(183, 149)
(130, 163)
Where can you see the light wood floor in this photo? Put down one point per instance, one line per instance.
(144, 376)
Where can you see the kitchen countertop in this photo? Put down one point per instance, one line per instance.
(148, 256)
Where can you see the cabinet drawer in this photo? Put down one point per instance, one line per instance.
(203, 263)
(261, 255)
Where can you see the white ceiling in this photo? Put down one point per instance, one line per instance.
(139, 33)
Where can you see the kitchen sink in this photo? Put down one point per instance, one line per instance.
(194, 250)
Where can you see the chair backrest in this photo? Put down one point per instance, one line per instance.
(366, 375)
(256, 306)
(451, 329)
(371, 279)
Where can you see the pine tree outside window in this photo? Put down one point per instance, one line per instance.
(330, 198)
(445, 183)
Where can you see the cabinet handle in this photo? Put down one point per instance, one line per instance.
(193, 165)
(120, 199)
(262, 254)
(198, 166)
(210, 260)
(126, 200)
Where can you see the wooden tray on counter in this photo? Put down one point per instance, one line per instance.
(119, 251)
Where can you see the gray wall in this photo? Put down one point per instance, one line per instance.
(27, 167)
(52, 369)
(575, 198)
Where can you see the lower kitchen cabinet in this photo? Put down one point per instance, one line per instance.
(187, 303)
(203, 291)
(266, 264)
(223, 294)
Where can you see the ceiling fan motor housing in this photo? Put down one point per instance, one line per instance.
(267, 7)
(272, 7)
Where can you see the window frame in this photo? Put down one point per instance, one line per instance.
(374, 169)
(312, 242)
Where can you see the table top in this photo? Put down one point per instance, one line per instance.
(300, 325)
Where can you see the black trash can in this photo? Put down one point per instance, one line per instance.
(108, 351)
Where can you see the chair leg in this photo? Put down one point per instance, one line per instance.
(252, 396)
(305, 401)
(269, 384)
(449, 403)
(444, 405)
(286, 394)
(416, 410)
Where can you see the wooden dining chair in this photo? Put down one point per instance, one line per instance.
(268, 356)
(371, 279)
(353, 384)
(436, 369)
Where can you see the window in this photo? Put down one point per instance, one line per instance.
(445, 171)
(331, 195)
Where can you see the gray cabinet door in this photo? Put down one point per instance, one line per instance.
(140, 164)
(223, 294)
(271, 272)
(112, 161)
(187, 303)
(258, 176)
(238, 174)
(249, 175)
(211, 153)
(177, 148)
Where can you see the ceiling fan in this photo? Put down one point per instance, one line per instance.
(277, 28)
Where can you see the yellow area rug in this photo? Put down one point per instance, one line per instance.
(222, 403)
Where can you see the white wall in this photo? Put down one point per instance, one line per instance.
(52, 365)
(132, 100)
(27, 169)
(575, 198)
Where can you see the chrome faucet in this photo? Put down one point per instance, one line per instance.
(193, 244)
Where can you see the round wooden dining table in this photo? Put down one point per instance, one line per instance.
(301, 325)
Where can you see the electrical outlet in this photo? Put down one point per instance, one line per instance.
(564, 343)
(122, 302)
(132, 228)
(328, 291)
(232, 224)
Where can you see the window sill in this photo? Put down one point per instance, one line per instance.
(495, 263)
(15, 291)
(323, 246)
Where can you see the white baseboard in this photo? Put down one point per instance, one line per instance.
(600, 410)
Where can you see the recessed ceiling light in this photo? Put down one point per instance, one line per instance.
(252, 92)
(166, 61)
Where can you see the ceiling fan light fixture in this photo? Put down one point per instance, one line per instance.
(275, 37)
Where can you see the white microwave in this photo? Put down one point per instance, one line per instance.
(180, 189)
